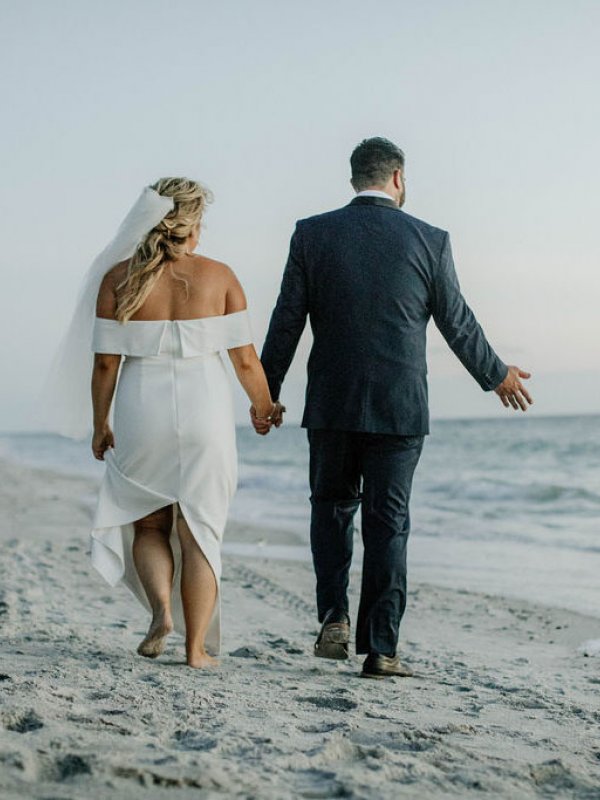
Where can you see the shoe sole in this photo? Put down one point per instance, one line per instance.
(378, 676)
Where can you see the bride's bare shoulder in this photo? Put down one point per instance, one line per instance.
(113, 277)
(224, 280)
(117, 273)
(106, 302)
(214, 268)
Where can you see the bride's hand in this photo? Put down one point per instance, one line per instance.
(103, 439)
(262, 425)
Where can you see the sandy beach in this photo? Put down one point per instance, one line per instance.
(505, 703)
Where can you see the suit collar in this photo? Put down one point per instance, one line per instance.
(373, 201)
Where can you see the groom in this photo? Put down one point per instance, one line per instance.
(370, 277)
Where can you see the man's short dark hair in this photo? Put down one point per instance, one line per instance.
(373, 161)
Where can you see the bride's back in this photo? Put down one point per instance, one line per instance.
(192, 287)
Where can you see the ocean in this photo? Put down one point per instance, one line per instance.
(506, 506)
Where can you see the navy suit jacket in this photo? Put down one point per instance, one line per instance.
(370, 276)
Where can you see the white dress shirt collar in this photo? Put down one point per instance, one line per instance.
(374, 193)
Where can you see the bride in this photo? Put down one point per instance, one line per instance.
(162, 317)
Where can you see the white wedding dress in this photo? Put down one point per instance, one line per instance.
(174, 430)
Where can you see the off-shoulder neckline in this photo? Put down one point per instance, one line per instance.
(188, 319)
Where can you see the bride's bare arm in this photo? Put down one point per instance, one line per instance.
(104, 375)
(251, 375)
(104, 380)
(245, 359)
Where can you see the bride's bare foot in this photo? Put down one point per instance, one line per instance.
(154, 642)
(201, 660)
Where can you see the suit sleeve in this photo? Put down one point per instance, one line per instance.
(288, 319)
(457, 324)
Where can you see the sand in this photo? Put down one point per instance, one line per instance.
(505, 703)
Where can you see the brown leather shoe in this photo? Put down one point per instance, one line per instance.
(378, 666)
(334, 636)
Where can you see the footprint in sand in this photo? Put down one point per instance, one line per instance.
(332, 703)
(284, 644)
(22, 722)
(70, 765)
(323, 727)
(194, 740)
(99, 695)
(246, 652)
(151, 679)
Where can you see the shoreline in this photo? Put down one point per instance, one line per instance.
(428, 556)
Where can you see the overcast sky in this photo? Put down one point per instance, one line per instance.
(495, 104)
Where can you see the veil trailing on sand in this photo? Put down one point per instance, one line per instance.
(65, 400)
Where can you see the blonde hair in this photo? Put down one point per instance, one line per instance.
(164, 243)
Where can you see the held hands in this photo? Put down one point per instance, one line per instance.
(103, 439)
(512, 392)
(262, 425)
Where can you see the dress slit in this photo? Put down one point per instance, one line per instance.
(112, 545)
(213, 635)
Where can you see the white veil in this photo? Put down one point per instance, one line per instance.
(65, 401)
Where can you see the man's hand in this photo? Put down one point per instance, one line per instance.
(278, 414)
(262, 425)
(512, 392)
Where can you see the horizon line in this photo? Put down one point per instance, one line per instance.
(566, 415)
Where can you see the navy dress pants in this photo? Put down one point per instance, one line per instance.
(375, 471)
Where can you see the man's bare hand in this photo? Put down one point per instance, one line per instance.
(278, 414)
(512, 392)
(262, 425)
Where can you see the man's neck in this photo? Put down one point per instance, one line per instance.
(376, 193)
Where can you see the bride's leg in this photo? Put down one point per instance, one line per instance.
(153, 560)
(198, 595)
